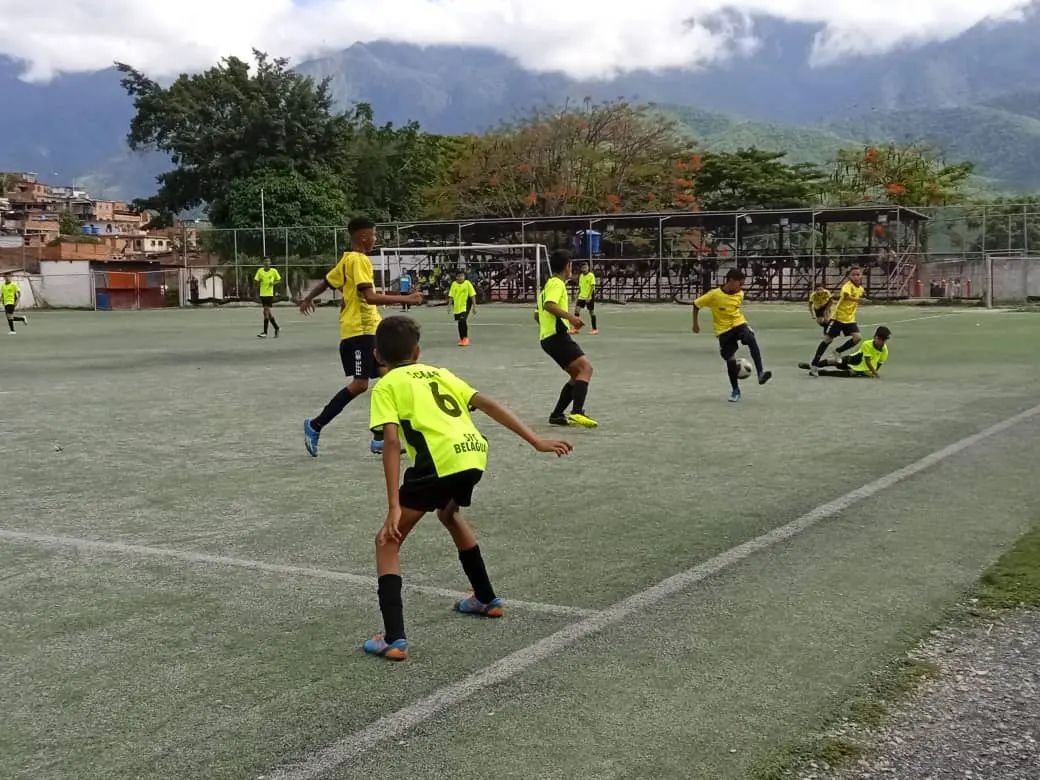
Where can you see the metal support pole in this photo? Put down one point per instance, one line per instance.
(812, 250)
(238, 292)
(287, 288)
(1025, 232)
(660, 252)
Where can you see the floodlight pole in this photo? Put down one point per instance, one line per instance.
(263, 225)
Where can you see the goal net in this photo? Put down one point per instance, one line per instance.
(503, 273)
(111, 290)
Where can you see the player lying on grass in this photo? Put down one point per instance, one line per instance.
(463, 298)
(820, 304)
(429, 409)
(866, 361)
(731, 328)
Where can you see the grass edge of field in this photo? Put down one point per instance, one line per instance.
(1011, 583)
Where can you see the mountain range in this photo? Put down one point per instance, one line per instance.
(974, 97)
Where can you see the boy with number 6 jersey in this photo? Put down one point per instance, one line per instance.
(428, 408)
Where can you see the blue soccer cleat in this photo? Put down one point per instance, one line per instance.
(392, 651)
(310, 438)
(472, 606)
(734, 397)
(376, 447)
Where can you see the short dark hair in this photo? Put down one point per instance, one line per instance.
(735, 275)
(559, 259)
(883, 333)
(396, 339)
(359, 223)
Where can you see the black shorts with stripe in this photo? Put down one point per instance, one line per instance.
(358, 355)
(426, 492)
(836, 329)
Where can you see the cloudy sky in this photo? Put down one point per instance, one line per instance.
(584, 38)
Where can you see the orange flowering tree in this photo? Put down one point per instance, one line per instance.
(899, 174)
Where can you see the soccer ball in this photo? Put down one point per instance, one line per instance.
(745, 368)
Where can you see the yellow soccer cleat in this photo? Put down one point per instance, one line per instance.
(582, 421)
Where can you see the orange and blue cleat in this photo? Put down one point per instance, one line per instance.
(473, 606)
(392, 651)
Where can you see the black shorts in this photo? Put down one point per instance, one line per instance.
(562, 348)
(267, 300)
(358, 355)
(836, 329)
(461, 316)
(8, 308)
(821, 312)
(731, 340)
(426, 492)
(590, 304)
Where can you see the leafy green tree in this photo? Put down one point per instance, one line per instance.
(899, 174)
(754, 179)
(69, 225)
(233, 121)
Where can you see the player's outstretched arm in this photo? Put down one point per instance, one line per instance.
(554, 309)
(507, 419)
(307, 304)
(696, 319)
(373, 298)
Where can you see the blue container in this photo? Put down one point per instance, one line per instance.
(102, 301)
(587, 243)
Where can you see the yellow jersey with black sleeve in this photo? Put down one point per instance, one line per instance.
(351, 274)
(554, 291)
(431, 407)
(725, 308)
(9, 293)
(845, 312)
(268, 278)
(586, 286)
(877, 357)
(460, 295)
(820, 298)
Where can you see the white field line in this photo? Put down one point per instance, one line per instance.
(274, 568)
(396, 724)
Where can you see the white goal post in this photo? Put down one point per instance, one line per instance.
(506, 272)
(1011, 278)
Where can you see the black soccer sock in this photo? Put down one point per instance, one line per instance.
(391, 606)
(332, 409)
(473, 564)
(566, 396)
(20, 318)
(265, 325)
(593, 317)
(756, 354)
(580, 392)
(273, 323)
(819, 352)
(733, 369)
(10, 324)
(463, 328)
(847, 346)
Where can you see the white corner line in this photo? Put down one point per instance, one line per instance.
(272, 568)
(396, 724)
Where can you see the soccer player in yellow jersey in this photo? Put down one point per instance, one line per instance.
(10, 294)
(553, 316)
(820, 301)
(358, 319)
(843, 322)
(268, 277)
(865, 362)
(731, 328)
(587, 295)
(463, 303)
(428, 409)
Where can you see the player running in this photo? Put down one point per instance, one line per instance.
(11, 294)
(865, 362)
(844, 321)
(463, 298)
(428, 409)
(552, 317)
(268, 277)
(731, 328)
(358, 319)
(820, 304)
(587, 296)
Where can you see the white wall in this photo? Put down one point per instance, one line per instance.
(209, 286)
(65, 283)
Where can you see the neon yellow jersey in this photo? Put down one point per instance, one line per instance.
(9, 292)
(846, 310)
(268, 278)
(725, 309)
(868, 350)
(586, 286)
(555, 291)
(820, 298)
(352, 274)
(460, 295)
(431, 407)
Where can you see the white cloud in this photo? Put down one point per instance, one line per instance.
(584, 38)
